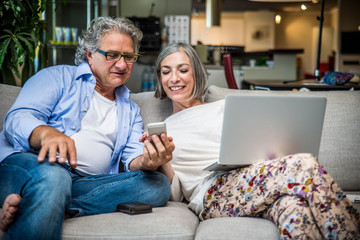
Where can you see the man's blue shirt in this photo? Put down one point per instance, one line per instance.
(59, 97)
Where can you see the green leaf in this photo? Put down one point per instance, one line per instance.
(9, 32)
(5, 36)
(30, 6)
(33, 38)
(16, 8)
(28, 70)
(21, 31)
(30, 47)
(43, 59)
(3, 50)
(19, 52)
(16, 57)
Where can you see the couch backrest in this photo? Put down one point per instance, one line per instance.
(8, 94)
(152, 109)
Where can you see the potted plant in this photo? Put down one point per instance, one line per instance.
(22, 38)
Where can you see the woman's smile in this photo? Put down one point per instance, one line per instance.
(176, 88)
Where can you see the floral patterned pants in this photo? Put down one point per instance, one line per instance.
(295, 192)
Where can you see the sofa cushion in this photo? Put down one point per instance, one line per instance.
(175, 221)
(8, 94)
(152, 109)
(340, 141)
(237, 228)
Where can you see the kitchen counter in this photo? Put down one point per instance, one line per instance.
(220, 67)
(310, 84)
(268, 53)
(284, 65)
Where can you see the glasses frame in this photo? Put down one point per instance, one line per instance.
(136, 56)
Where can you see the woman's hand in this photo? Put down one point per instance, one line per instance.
(156, 153)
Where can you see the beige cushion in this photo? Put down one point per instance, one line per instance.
(8, 94)
(242, 228)
(175, 221)
(152, 109)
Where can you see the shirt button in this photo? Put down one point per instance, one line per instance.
(73, 127)
(87, 95)
(85, 109)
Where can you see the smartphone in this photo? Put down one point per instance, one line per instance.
(134, 208)
(156, 129)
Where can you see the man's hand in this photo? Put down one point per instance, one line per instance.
(50, 141)
(155, 154)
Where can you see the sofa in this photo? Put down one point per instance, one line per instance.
(339, 153)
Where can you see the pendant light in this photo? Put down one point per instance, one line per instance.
(213, 12)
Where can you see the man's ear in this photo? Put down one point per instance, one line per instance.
(89, 56)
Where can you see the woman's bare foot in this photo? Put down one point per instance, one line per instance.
(9, 210)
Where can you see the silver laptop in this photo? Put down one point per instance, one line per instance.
(257, 128)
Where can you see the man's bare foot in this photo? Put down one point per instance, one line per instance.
(9, 210)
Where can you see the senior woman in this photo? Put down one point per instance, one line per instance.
(295, 192)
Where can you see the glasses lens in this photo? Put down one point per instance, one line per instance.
(130, 58)
(112, 56)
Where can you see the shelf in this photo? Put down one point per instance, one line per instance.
(69, 14)
(70, 45)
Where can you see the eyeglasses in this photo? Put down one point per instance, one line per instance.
(115, 56)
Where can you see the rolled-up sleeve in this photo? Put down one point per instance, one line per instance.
(31, 109)
(133, 147)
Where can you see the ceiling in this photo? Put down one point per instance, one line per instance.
(246, 5)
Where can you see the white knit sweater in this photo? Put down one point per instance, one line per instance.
(197, 133)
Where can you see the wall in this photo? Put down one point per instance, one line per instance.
(296, 31)
(348, 21)
(236, 29)
(260, 30)
(231, 31)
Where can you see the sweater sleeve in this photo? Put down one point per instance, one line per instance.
(176, 193)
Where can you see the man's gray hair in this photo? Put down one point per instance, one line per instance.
(200, 74)
(90, 39)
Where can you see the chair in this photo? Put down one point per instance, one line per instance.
(229, 73)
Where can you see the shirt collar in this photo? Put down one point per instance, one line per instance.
(122, 92)
(83, 69)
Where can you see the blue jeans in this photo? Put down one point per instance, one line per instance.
(49, 190)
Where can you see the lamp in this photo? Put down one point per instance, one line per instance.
(213, 12)
(277, 18)
(280, 0)
(321, 19)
